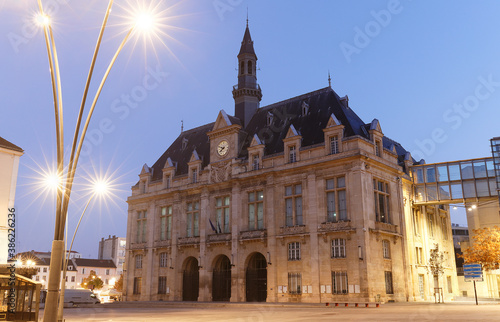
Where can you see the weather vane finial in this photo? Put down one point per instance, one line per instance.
(329, 79)
(247, 16)
(182, 126)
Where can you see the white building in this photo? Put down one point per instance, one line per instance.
(9, 164)
(113, 248)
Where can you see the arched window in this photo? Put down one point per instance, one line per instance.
(250, 68)
(242, 68)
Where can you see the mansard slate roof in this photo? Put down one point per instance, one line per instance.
(10, 146)
(321, 104)
(90, 262)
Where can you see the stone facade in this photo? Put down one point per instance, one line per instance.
(303, 202)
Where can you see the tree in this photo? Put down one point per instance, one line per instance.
(485, 248)
(436, 261)
(119, 284)
(92, 282)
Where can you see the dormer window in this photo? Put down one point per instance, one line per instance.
(250, 68)
(167, 181)
(305, 108)
(269, 118)
(184, 143)
(292, 154)
(194, 177)
(378, 148)
(334, 144)
(255, 162)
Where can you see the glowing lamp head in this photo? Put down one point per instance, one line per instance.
(42, 20)
(52, 181)
(144, 21)
(101, 187)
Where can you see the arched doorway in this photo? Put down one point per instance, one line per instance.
(221, 279)
(256, 278)
(190, 280)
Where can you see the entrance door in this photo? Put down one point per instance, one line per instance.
(221, 280)
(256, 279)
(190, 280)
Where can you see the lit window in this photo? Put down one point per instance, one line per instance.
(336, 204)
(339, 282)
(381, 198)
(293, 205)
(294, 251)
(256, 210)
(222, 205)
(338, 248)
(294, 283)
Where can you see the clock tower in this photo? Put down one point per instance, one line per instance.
(247, 93)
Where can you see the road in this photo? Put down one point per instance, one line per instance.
(257, 313)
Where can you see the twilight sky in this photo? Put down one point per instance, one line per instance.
(428, 71)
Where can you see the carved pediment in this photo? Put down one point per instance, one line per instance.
(333, 121)
(222, 121)
(292, 132)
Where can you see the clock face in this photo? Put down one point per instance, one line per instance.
(223, 148)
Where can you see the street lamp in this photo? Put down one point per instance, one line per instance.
(100, 189)
(64, 192)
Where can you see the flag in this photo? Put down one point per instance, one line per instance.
(212, 225)
(218, 225)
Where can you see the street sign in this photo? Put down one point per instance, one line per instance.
(473, 272)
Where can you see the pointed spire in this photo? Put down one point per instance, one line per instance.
(329, 79)
(247, 16)
(247, 43)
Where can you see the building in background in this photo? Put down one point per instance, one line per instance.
(9, 164)
(297, 201)
(104, 268)
(113, 248)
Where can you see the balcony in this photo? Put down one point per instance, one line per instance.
(335, 226)
(387, 227)
(217, 238)
(189, 240)
(293, 230)
(163, 243)
(253, 234)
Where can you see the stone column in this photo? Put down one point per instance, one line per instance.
(270, 214)
(148, 264)
(237, 220)
(176, 284)
(205, 280)
(312, 221)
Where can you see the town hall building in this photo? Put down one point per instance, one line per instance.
(297, 201)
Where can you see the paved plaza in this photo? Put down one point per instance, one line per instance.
(465, 311)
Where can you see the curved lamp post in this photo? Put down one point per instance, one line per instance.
(64, 193)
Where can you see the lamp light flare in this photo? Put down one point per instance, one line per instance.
(145, 21)
(42, 20)
(101, 187)
(474, 207)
